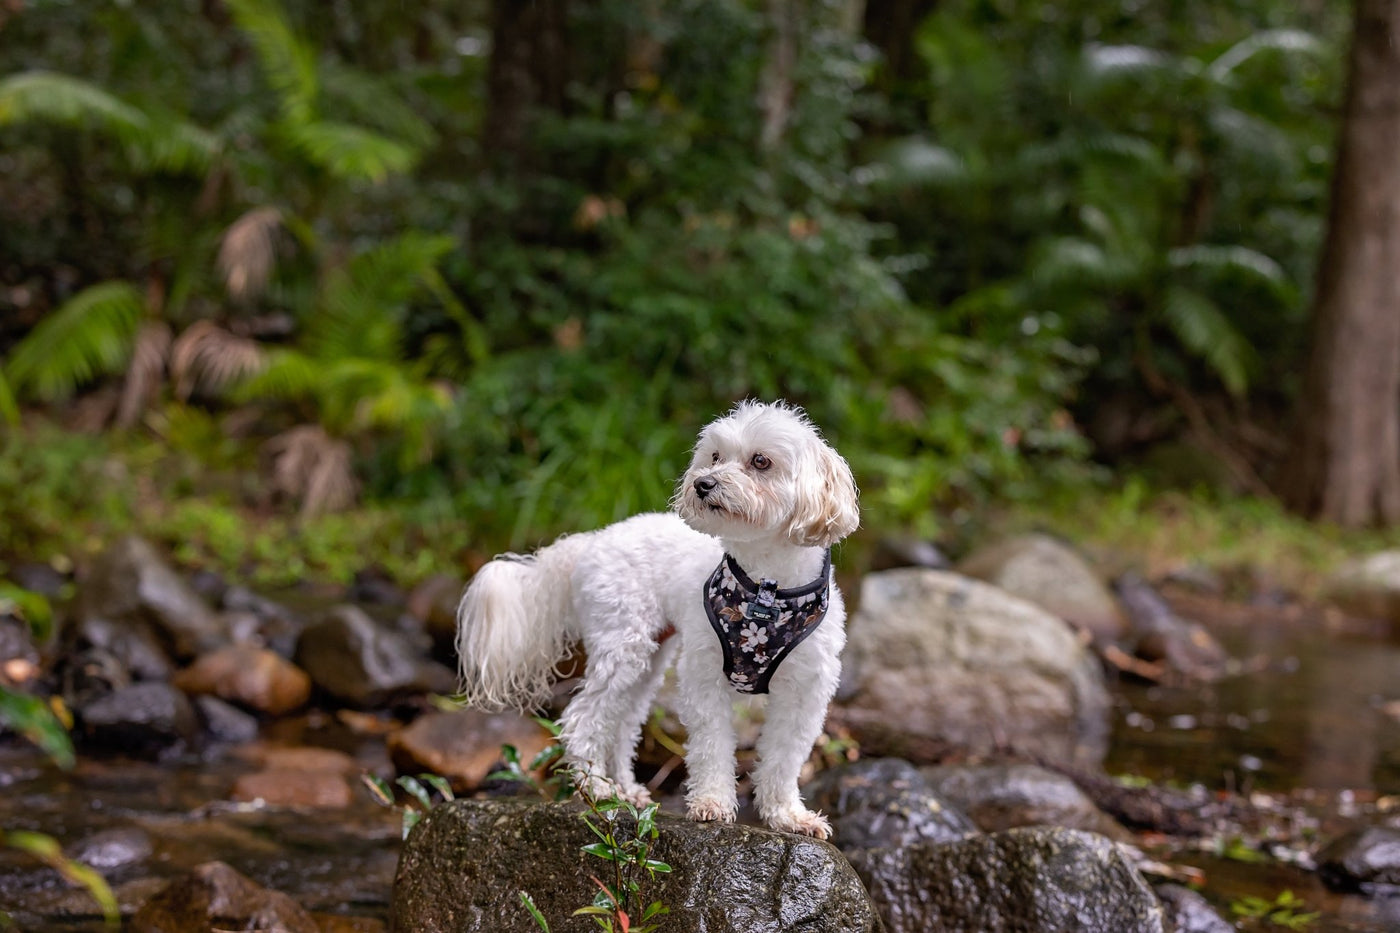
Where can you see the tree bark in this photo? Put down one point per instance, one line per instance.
(1347, 463)
(528, 71)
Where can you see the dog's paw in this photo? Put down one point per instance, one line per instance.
(710, 810)
(804, 822)
(635, 794)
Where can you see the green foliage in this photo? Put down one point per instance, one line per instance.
(90, 335)
(420, 796)
(36, 720)
(46, 849)
(1284, 911)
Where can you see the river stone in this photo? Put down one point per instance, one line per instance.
(1367, 586)
(463, 866)
(130, 581)
(254, 677)
(359, 662)
(434, 601)
(132, 642)
(1004, 796)
(1189, 912)
(464, 746)
(145, 719)
(884, 802)
(294, 789)
(224, 722)
(1366, 859)
(1051, 574)
(1032, 880)
(937, 662)
(277, 626)
(214, 897)
(111, 849)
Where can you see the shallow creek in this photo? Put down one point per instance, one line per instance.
(1311, 724)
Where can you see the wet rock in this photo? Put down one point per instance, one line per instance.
(434, 601)
(19, 658)
(1366, 859)
(254, 677)
(936, 661)
(891, 552)
(209, 585)
(112, 849)
(1367, 586)
(143, 720)
(1004, 796)
(373, 586)
(359, 662)
(224, 722)
(38, 578)
(462, 867)
(278, 627)
(464, 746)
(1188, 912)
(130, 581)
(1051, 574)
(294, 789)
(90, 674)
(215, 897)
(1184, 648)
(336, 923)
(133, 643)
(1036, 880)
(884, 802)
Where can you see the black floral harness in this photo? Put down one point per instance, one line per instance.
(758, 624)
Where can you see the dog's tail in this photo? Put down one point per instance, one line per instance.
(514, 625)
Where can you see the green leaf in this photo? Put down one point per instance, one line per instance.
(534, 911)
(1207, 333)
(91, 334)
(379, 789)
(32, 608)
(288, 62)
(415, 790)
(549, 725)
(9, 408)
(1266, 40)
(46, 849)
(348, 152)
(602, 850)
(653, 865)
(32, 718)
(370, 100)
(438, 783)
(411, 819)
(1232, 260)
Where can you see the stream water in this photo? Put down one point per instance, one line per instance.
(1310, 722)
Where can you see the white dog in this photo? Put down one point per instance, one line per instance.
(763, 500)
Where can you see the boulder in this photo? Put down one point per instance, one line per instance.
(214, 897)
(277, 626)
(884, 802)
(133, 643)
(464, 746)
(359, 662)
(1051, 574)
(1034, 880)
(463, 866)
(131, 582)
(224, 722)
(253, 677)
(434, 601)
(1367, 586)
(1188, 912)
(1365, 859)
(1004, 796)
(936, 661)
(144, 720)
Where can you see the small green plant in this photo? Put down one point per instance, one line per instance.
(557, 783)
(413, 785)
(1285, 910)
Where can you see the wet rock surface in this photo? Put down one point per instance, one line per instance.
(1184, 649)
(884, 802)
(1368, 586)
(145, 719)
(357, 661)
(1188, 912)
(112, 849)
(1004, 796)
(1366, 859)
(1034, 880)
(463, 865)
(253, 677)
(133, 643)
(215, 897)
(936, 661)
(464, 746)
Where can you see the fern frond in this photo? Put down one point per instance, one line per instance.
(248, 251)
(207, 356)
(1073, 263)
(1125, 61)
(1076, 149)
(9, 408)
(371, 101)
(288, 62)
(285, 375)
(348, 152)
(89, 335)
(1206, 333)
(1282, 41)
(1216, 260)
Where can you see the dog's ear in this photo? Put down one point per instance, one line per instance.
(826, 507)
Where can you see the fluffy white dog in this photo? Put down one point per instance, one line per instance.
(763, 500)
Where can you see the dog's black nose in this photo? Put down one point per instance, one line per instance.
(705, 485)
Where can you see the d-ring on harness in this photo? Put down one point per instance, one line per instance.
(758, 624)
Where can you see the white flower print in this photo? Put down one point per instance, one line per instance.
(752, 636)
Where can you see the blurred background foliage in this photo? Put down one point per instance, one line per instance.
(481, 270)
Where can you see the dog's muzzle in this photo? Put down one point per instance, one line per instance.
(705, 485)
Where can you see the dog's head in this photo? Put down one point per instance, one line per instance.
(763, 471)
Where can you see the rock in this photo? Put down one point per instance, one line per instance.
(19, 658)
(434, 601)
(39, 578)
(1035, 880)
(253, 677)
(112, 849)
(372, 586)
(1188, 912)
(464, 746)
(1004, 796)
(144, 720)
(1049, 573)
(294, 789)
(1186, 649)
(891, 552)
(132, 642)
(130, 582)
(1367, 586)
(936, 661)
(358, 662)
(277, 626)
(884, 802)
(224, 722)
(90, 674)
(215, 897)
(1366, 859)
(462, 867)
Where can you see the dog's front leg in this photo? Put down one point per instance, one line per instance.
(792, 724)
(706, 706)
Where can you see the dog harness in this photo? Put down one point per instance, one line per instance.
(758, 624)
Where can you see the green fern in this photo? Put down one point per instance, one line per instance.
(1207, 333)
(90, 335)
(1283, 41)
(288, 63)
(348, 152)
(370, 101)
(9, 408)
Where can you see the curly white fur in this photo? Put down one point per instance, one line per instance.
(763, 486)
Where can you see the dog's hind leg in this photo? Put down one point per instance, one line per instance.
(636, 712)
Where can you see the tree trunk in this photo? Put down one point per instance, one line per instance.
(528, 71)
(1347, 463)
(891, 26)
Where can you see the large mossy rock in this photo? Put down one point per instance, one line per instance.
(1035, 880)
(938, 662)
(463, 867)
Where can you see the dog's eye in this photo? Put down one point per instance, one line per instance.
(760, 462)
(714, 457)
